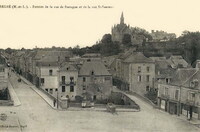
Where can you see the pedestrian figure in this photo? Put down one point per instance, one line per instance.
(54, 103)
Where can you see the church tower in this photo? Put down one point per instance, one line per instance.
(119, 30)
(122, 18)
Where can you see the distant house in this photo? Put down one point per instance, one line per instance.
(163, 71)
(67, 77)
(162, 36)
(18, 61)
(177, 62)
(47, 74)
(3, 76)
(94, 80)
(136, 71)
(181, 95)
(116, 65)
(139, 72)
(91, 56)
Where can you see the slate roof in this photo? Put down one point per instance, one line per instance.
(68, 67)
(109, 60)
(91, 55)
(138, 57)
(42, 53)
(158, 58)
(49, 59)
(174, 61)
(96, 66)
(182, 75)
(166, 73)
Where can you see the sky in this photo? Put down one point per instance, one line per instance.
(66, 27)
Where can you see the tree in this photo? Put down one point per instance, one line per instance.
(127, 40)
(191, 40)
(107, 38)
(9, 50)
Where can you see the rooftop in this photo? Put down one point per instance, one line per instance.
(182, 75)
(138, 57)
(97, 67)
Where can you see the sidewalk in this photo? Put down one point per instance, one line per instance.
(194, 121)
(13, 95)
(49, 101)
(46, 98)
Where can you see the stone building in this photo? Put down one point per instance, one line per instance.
(3, 77)
(139, 72)
(94, 80)
(162, 36)
(67, 77)
(181, 95)
(163, 71)
(135, 71)
(47, 74)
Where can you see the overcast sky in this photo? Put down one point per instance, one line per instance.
(70, 27)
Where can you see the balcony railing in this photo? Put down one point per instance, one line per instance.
(68, 83)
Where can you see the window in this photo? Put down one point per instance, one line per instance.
(46, 89)
(147, 88)
(2, 69)
(194, 83)
(166, 91)
(63, 88)
(139, 68)
(92, 73)
(66, 58)
(50, 72)
(176, 94)
(94, 97)
(51, 91)
(84, 79)
(139, 78)
(71, 88)
(147, 78)
(63, 79)
(148, 68)
(191, 96)
(42, 81)
(167, 80)
(84, 88)
(71, 79)
(56, 89)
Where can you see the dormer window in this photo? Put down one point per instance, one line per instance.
(194, 83)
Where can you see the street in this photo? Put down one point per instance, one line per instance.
(38, 116)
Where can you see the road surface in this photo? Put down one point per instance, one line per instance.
(38, 116)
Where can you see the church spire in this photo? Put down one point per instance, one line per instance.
(122, 18)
